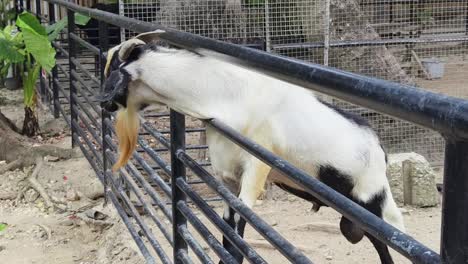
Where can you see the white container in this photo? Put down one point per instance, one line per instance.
(434, 67)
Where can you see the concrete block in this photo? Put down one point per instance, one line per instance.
(412, 180)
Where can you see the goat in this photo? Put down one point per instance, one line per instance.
(337, 147)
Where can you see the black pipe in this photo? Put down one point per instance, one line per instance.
(454, 242)
(136, 237)
(71, 67)
(205, 233)
(245, 249)
(90, 76)
(445, 114)
(280, 243)
(140, 196)
(54, 69)
(134, 213)
(194, 245)
(177, 172)
(85, 44)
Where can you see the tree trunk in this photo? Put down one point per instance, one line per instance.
(14, 146)
(30, 124)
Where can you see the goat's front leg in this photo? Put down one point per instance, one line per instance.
(253, 181)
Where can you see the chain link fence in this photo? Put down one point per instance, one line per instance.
(417, 42)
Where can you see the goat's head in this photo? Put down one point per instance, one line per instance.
(115, 93)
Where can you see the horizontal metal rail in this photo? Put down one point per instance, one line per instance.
(286, 248)
(445, 114)
(441, 113)
(84, 43)
(372, 224)
(379, 42)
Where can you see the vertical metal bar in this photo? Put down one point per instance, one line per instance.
(326, 33)
(72, 55)
(122, 13)
(55, 92)
(454, 241)
(38, 10)
(103, 35)
(41, 77)
(28, 5)
(178, 171)
(267, 27)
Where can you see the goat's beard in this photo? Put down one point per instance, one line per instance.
(127, 125)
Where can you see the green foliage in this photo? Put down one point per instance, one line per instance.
(81, 19)
(3, 226)
(28, 21)
(7, 13)
(28, 85)
(31, 49)
(55, 29)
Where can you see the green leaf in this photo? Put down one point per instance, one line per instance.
(81, 19)
(40, 47)
(54, 30)
(7, 31)
(8, 52)
(3, 226)
(30, 22)
(28, 85)
(4, 67)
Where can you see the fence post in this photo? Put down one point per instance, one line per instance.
(178, 171)
(454, 239)
(28, 5)
(103, 35)
(55, 94)
(20, 7)
(41, 78)
(72, 68)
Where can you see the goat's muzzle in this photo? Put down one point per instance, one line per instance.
(114, 91)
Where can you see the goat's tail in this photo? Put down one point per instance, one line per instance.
(126, 128)
(391, 214)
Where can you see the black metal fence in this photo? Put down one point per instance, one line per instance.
(70, 90)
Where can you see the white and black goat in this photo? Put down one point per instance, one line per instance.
(338, 148)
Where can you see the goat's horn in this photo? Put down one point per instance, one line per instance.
(141, 39)
(127, 47)
(150, 36)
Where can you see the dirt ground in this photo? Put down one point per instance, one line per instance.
(31, 234)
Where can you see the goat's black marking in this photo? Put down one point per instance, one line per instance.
(337, 180)
(357, 119)
(343, 184)
(239, 228)
(302, 194)
(138, 51)
(115, 90)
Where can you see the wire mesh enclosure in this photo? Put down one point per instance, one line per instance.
(417, 42)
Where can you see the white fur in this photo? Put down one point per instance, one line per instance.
(282, 117)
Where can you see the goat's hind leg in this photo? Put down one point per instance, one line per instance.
(253, 181)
